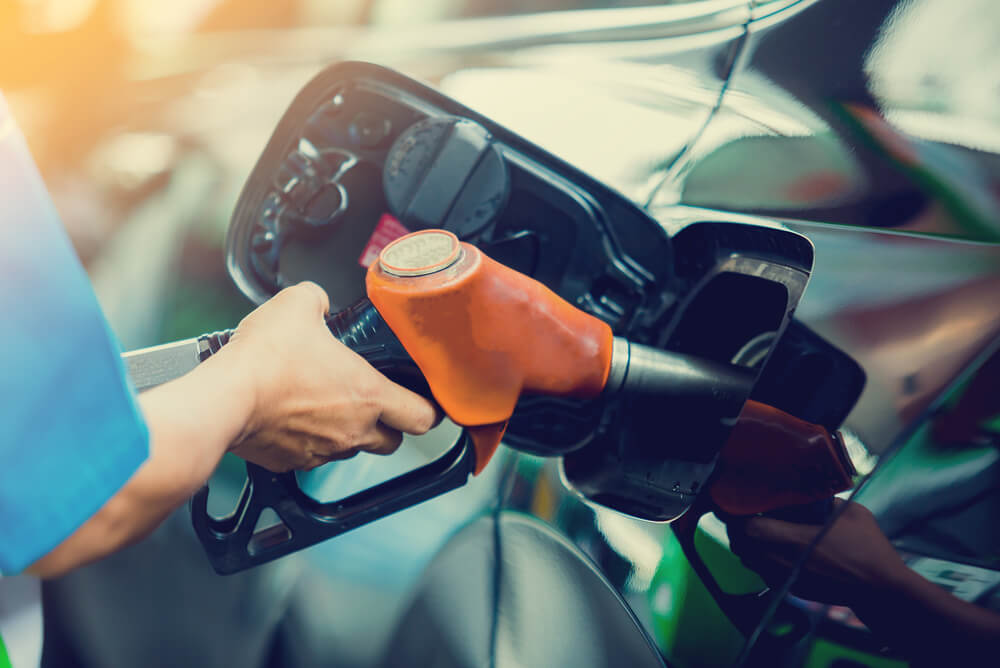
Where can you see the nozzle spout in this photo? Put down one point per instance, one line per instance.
(643, 371)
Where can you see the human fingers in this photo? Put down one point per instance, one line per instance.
(311, 295)
(754, 554)
(385, 441)
(290, 303)
(294, 314)
(779, 532)
(274, 455)
(406, 411)
(379, 440)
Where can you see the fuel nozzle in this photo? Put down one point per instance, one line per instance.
(480, 335)
(444, 318)
(483, 334)
(643, 371)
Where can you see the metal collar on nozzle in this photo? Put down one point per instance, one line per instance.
(421, 253)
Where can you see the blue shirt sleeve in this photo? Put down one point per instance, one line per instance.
(71, 433)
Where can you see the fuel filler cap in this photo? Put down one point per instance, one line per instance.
(446, 172)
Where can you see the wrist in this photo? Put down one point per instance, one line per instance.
(229, 381)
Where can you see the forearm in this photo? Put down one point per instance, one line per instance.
(192, 422)
(929, 625)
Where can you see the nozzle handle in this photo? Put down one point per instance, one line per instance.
(233, 542)
(233, 545)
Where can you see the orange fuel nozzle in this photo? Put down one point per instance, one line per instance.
(774, 460)
(482, 334)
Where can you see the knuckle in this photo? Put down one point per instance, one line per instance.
(353, 436)
(313, 295)
(285, 295)
(425, 420)
(304, 296)
(368, 405)
(369, 391)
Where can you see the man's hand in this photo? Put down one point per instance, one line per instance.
(314, 399)
(853, 562)
(283, 393)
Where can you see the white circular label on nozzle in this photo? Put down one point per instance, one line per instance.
(420, 253)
